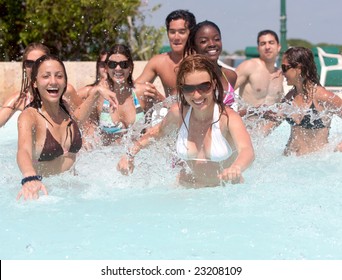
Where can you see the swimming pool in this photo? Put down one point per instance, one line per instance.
(288, 208)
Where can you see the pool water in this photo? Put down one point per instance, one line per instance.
(288, 208)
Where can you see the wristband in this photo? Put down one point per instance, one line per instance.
(31, 178)
(129, 155)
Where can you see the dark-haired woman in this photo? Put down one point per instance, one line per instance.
(48, 134)
(18, 100)
(111, 125)
(308, 107)
(206, 39)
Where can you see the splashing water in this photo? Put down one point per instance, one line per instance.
(288, 207)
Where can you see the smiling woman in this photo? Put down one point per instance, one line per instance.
(205, 39)
(213, 145)
(48, 136)
(17, 100)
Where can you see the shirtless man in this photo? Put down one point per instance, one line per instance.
(259, 80)
(178, 24)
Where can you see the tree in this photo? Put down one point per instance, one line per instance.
(299, 43)
(11, 19)
(76, 29)
(145, 41)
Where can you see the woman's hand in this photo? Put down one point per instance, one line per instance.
(338, 147)
(150, 92)
(107, 94)
(30, 190)
(232, 174)
(125, 165)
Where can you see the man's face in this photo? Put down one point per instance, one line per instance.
(268, 47)
(178, 34)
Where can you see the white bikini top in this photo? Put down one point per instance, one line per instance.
(220, 149)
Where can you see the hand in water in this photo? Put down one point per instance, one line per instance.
(232, 174)
(30, 190)
(339, 148)
(125, 165)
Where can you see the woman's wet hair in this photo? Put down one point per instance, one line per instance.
(99, 60)
(24, 79)
(201, 63)
(304, 59)
(124, 50)
(37, 102)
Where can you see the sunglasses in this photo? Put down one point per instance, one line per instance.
(101, 64)
(285, 67)
(201, 88)
(28, 63)
(123, 64)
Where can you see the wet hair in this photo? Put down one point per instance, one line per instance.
(189, 18)
(265, 32)
(201, 63)
(102, 53)
(304, 59)
(124, 50)
(190, 47)
(37, 102)
(24, 79)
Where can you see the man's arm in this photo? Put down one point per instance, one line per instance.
(243, 72)
(145, 90)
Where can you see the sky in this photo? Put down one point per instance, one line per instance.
(241, 20)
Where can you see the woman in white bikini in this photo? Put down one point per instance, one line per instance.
(212, 139)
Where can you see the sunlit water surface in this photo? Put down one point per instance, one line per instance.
(288, 208)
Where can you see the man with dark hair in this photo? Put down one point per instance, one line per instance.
(178, 24)
(260, 81)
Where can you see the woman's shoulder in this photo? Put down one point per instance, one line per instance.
(231, 74)
(322, 93)
(230, 116)
(28, 115)
(229, 112)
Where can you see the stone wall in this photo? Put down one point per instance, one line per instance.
(79, 75)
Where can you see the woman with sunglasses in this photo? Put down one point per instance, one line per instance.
(212, 140)
(18, 100)
(119, 68)
(308, 107)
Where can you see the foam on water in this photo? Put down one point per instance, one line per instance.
(288, 208)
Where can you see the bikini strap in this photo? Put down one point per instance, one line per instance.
(224, 75)
(40, 113)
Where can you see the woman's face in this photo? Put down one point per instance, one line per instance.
(102, 67)
(198, 89)
(31, 57)
(50, 81)
(118, 68)
(290, 73)
(208, 42)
